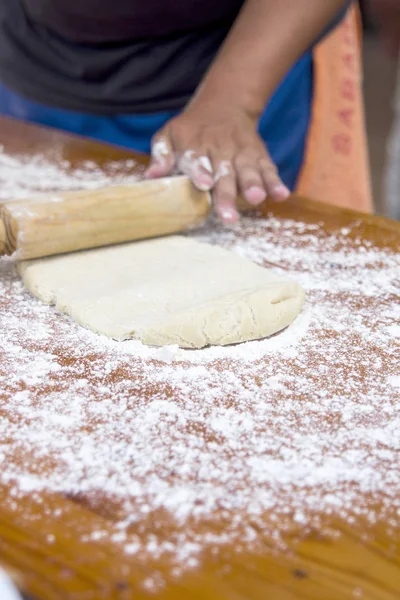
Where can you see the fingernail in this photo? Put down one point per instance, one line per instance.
(204, 188)
(255, 195)
(280, 193)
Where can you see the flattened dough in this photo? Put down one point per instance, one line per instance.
(172, 290)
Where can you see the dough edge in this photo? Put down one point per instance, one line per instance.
(242, 316)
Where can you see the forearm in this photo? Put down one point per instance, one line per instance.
(268, 37)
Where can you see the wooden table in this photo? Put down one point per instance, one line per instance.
(48, 539)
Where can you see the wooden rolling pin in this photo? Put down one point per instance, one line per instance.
(67, 221)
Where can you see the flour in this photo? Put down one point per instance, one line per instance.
(224, 169)
(41, 176)
(196, 166)
(160, 150)
(394, 330)
(195, 450)
(7, 589)
(394, 380)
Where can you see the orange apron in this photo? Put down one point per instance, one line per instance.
(336, 164)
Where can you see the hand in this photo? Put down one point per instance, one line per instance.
(387, 15)
(219, 149)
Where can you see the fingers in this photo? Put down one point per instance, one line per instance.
(162, 157)
(255, 176)
(163, 160)
(240, 164)
(198, 168)
(274, 186)
(258, 179)
(225, 192)
(251, 183)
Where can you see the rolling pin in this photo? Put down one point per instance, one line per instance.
(68, 221)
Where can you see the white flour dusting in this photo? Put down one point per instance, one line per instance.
(192, 165)
(160, 149)
(196, 449)
(23, 175)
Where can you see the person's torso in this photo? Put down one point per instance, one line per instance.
(111, 56)
(94, 21)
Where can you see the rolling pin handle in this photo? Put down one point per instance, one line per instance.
(7, 245)
(3, 238)
(79, 220)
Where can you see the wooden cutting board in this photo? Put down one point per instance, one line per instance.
(63, 543)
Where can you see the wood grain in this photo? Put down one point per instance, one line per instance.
(363, 562)
(69, 221)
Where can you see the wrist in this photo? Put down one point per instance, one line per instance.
(226, 100)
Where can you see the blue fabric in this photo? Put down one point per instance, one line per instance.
(283, 125)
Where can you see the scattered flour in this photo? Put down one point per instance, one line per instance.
(194, 450)
(192, 165)
(160, 150)
(23, 175)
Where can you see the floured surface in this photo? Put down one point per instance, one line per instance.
(176, 452)
(44, 175)
(172, 290)
(181, 450)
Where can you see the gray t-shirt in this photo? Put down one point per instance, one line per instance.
(111, 56)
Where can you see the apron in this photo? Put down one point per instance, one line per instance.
(336, 165)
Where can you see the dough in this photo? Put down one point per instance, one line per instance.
(171, 290)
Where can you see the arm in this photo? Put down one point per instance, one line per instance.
(219, 126)
(267, 39)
